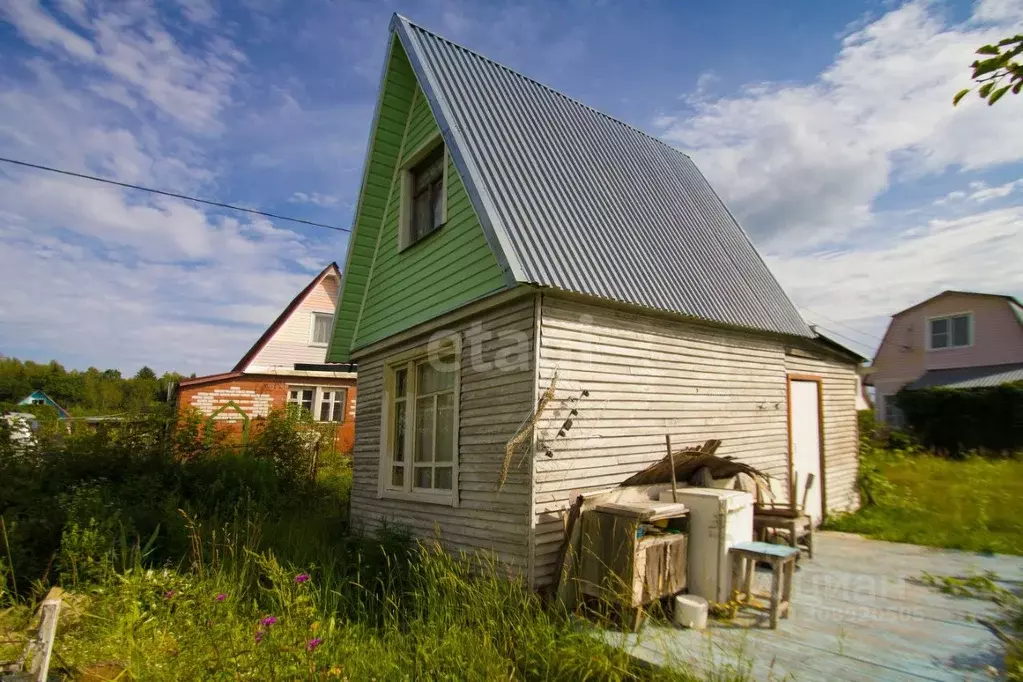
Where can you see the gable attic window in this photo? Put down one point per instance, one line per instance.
(319, 329)
(951, 331)
(419, 439)
(424, 194)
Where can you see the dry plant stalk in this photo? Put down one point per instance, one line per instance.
(525, 429)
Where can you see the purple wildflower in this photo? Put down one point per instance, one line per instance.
(221, 597)
(313, 643)
(260, 634)
(168, 594)
(269, 620)
(301, 578)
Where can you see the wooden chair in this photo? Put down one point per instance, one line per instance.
(791, 519)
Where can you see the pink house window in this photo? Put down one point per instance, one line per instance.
(953, 331)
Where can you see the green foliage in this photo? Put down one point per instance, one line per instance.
(82, 393)
(956, 421)
(215, 591)
(70, 498)
(998, 72)
(915, 496)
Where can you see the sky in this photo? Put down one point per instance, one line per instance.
(826, 127)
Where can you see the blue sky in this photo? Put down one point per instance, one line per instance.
(826, 127)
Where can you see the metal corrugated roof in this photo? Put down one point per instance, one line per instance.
(573, 199)
(969, 377)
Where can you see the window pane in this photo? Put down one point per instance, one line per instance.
(325, 411)
(398, 444)
(321, 327)
(445, 427)
(442, 478)
(432, 379)
(398, 476)
(423, 477)
(939, 333)
(424, 429)
(421, 215)
(961, 331)
(400, 377)
(437, 206)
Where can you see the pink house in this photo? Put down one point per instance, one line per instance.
(958, 339)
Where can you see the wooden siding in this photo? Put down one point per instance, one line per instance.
(386, 290)
(494, 401)
(841, 428)
(290, 344)
(647, 376)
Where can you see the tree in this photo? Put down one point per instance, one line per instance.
(145, 373)
(1001, 65)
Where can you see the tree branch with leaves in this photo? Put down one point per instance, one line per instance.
(1000, 65)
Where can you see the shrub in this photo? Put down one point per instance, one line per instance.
(957, 421)
(74, 501)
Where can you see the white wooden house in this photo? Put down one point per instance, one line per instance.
(508, 238)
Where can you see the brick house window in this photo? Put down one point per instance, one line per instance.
(324, 403)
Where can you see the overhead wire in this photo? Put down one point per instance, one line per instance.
(142, 188)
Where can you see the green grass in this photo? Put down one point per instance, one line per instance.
(415, 614)
(145, 541)
(974, 504)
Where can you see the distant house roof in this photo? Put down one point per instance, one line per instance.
(1011, 300)
(573, 199)
(835, 346)
(281, 319)
(969, 377)
(40, 395)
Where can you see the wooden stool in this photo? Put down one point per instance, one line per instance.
(782, 560)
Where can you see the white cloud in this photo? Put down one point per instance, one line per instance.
(325, 200)
(129, 278)
(129, 45)
(900, 267)
(807, 161)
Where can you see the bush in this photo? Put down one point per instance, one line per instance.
(956, 421)
(74, 501)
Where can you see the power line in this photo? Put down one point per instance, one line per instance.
(842, 336)
(141, 188)
(841, 324)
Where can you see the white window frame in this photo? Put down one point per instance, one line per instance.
(927, 330)
(449, 345)
(312, 329)
(405, 207)
(318, 392)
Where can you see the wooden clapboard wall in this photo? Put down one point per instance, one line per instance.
(496, 395)
(646, 376)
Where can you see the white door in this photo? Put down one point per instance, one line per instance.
(806, 443)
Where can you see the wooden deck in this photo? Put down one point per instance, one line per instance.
(857, 614)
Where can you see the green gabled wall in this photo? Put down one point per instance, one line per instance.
(386, 291)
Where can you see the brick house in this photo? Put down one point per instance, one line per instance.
(285, 365)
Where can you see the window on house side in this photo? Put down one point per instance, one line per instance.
(893, 416)
(332, 405)
(319, 335)
(426, 208)
(950, 332)
(330, 401)
(301, 396)
(421, 435)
